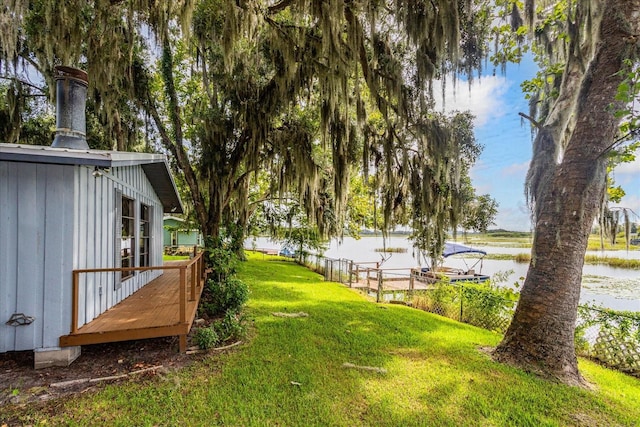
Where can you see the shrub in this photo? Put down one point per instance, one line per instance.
(487, 306)
(442, 299)
(232, 326)
(611, 336)
(228, 295)
(482, 305)
(206, 338)
(222, 260)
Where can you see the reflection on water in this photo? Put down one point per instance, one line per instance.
(615, 288)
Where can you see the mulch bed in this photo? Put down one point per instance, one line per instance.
(97, 365)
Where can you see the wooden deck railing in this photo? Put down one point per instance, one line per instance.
(195, 266)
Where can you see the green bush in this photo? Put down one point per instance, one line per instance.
(487, 306)
(484, 305)
(441, 299)
(223, 296)
(222, 261)
(206, 338)
(231, 327)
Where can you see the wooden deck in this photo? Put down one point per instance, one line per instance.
(390, 285)
(151, 312)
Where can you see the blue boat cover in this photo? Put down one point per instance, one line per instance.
(456, 248)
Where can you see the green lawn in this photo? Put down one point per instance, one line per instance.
(174, 257)
(290, 372)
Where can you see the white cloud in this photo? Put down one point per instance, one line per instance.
(513, 219)
(484, 98)
(627, 175)
(516, 169)
(631, 168)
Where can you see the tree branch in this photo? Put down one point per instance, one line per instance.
(531, 119)
(180, 156)
(280, 6)
(23, 82)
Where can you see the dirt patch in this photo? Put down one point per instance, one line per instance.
(97, 365)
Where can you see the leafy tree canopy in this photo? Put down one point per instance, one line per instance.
(302, 90)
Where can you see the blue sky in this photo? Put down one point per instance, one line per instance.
(500, 171)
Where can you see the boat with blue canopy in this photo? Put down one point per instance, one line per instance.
(470, 273)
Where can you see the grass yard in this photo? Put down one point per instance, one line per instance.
(290, 372)
(174, 257)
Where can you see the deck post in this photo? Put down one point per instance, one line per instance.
(379, 295)
(183, 294)
(74, 301)
(194, 277)
(344, 268)
(357, 273)
(183, 343)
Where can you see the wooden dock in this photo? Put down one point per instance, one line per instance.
(389, 280)
(166, 306)
(403, 284)
(384, 281)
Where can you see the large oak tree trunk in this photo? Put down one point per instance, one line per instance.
(541, 335)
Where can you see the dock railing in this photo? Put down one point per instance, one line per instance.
(367, 276)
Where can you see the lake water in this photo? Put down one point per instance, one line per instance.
(616, 288)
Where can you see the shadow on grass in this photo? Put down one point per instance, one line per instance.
(435, 373)
(290, 372)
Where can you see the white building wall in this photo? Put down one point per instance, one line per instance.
(95, 235)
(54, 219)
(36, 246)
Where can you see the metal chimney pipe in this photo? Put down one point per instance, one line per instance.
(71, 99)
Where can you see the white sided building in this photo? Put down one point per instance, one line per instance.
(66, 207)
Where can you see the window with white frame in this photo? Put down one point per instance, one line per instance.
(127, 236)
(145, 235)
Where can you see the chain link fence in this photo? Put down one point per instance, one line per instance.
(333, 269)
(611, 337)
(469, 304)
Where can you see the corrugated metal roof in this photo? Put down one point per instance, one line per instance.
(155, 166)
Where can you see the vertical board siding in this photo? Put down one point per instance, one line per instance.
(58, 239)
(85, 224)
(103, 205)
(30, 250)
(35, 215)
(96, 228)
(8, 253)
(56, 218)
